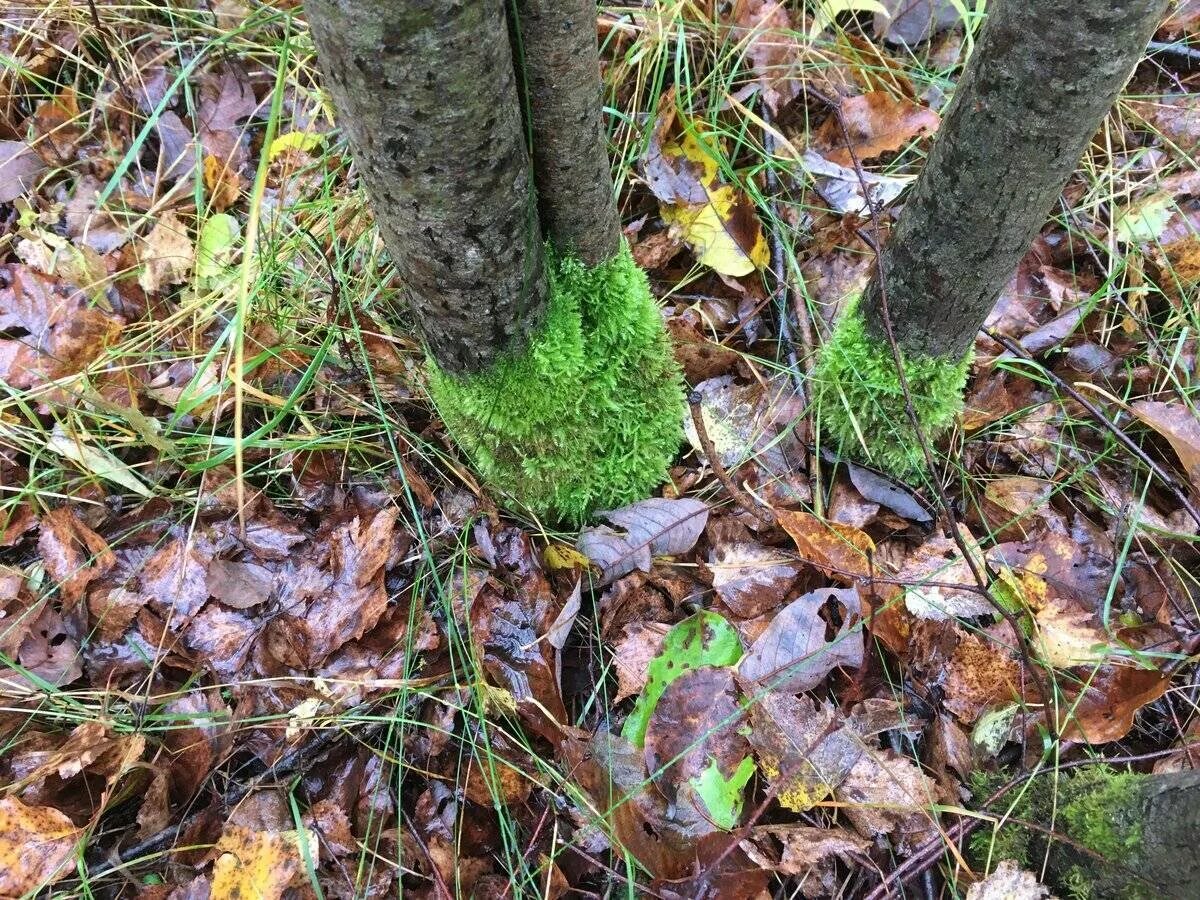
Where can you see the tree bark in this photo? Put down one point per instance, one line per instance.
(556, 44)
(427, 97)
(1034, 93)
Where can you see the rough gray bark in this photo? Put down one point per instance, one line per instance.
(427, 96)
(561, 66)
(1034, 93)
(1164, 814)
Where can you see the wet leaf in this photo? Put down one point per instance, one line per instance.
(828, 10)
(723, 797)
(51, 329)
(773, 45)
(794, 654)
(693, 728)
(1181, 427)
(167, 254)
(72, 553)
(877, 123)
(843, 189)
(749, 578)
(1008, 881)
(1103, 707)
(910, 22)
(36, 846)
(702, 639)
(885, 492)
(841, 551)
(19, 168)
(655, 527)
(640, 643)
(259, 864)
(938, 559)
(717, 219)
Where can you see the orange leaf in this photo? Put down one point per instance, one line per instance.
(842, 551)
(877, 123)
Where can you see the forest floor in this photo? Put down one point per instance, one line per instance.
(263, 634)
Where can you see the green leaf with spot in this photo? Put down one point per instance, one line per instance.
(723, 796)
(704, 639)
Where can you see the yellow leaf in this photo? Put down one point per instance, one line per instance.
(259, 864)
(304, 141)
(724, 233)
(36, 843)
(828, 10)
(558, 556)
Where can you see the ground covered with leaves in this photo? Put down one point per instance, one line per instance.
(263, 634)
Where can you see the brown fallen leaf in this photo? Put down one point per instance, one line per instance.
(639, 643)
(980, 675)
(36, 845)
(1103, 708)
(877, 122)
(167, 254)
(795, 654)
(72, 553)
(61, 331)
(841, 551)
(19, 168)
(1181, 427)
(749, 578)
(809, 854)
(774, 46)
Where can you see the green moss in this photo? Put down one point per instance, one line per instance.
(1096, 810)
(590, 415)
(861, 404)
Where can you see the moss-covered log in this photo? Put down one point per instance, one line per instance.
(1119, 836)
(426, 95)
(561, 67)
(1033, 94)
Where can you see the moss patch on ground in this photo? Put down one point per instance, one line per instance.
(861, 403)
(591, 414)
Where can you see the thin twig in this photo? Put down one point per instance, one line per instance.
(736, 493)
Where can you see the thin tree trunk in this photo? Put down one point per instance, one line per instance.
(556, 43)
(1035, 91)
(427, 97)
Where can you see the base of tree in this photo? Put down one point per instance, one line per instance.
(590, 416)
(1098, 815)
(861, 404)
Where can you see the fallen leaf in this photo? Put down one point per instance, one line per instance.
(794, 654)
(877, 123)
(167, 254)
(1104, 705)
(19, 168)
(655, 527)
(72, 553)
(1180, 426)
(829, 10)
(980, 675)
(694, 727)
(939, 559)
(50, 329)
(702, 639)
(223, 183)
(1008, 881)
(886, 492)
(749, 578)
(848, 193)
(716, 219)
(909, 22)
(36, 846)
(809, 854)
(95, 460)
(259, 864)
(639, 644)
(841, 551)
(773, 46)
(216, 245)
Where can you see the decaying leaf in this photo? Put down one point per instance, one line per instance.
(795, 653)
(655, 527)
(716, 219)
(841, 551)
(19, 169)
(1008, 881)
(167, 254)
(749, 578)
(74, 555)
(36, 845)
(61, 331)
(1180, 427)
(260, 864)
(939, 560)
(702, 639)
(877, 123)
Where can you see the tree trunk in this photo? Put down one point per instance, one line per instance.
(427, 97)
(1040, 81)
(1118, 835)
(556, 44)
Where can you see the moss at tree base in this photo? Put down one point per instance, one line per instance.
(1097, 813)
(861, 404)
(591, 414)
